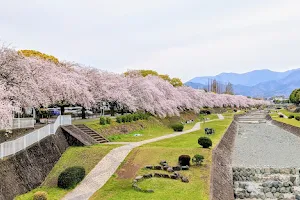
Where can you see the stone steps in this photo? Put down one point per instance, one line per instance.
(96, 136)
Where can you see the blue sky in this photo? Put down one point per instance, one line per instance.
(183, 38)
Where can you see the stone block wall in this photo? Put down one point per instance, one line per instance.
(262, 183)
(27, 169)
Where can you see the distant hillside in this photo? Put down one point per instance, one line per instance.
(258, 83)
(247, 79)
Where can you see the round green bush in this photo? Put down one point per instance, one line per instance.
(71, 177)
(291, 116)
(108, 120)
(177, 127)
(297, 118)
(102, 121)
(40, 195)
(205, 142)
(184, 160)
(198, 159)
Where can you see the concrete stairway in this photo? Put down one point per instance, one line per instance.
(253, 117)
(96, 136)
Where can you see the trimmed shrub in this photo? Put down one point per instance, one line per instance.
(124, 119)
(102, 121)
(177, 127)
(129, 118)
(206, 112)
(40, 195)
(291, 116)
(135, 117)
(198, 159)
(297, 118)
(205, 142)
(184, 160)
(119, 119)
(108, 120)
(71, 177)
(281, 116)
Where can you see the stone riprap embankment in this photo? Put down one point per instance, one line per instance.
(266, 160)
(266, 183)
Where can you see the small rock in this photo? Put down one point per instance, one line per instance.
(147, 175)
(276, 195)
(173, 176)
(282, 190)
(170, 169)
(236, 184)
(163, 162)
(297, 197)
(149, 191)
(165, 167)
(165, 176)
(158, 167)
(185, 179)
(185, 168)
(293, 179)
(149, 167)
(281, 196)
(177, 168)
(269, 195)
(286, 184)
(138, 178)
(267, 189)
(273, 190)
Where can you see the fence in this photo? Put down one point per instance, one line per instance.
(23, 123)
(14, 146)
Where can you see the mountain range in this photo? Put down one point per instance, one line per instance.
(257, 83)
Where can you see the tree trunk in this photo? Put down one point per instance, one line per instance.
(62, 110)
(83, 113)
(37, 116)
(112, 110)
(122, 111)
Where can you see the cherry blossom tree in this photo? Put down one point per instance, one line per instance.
(35, 82)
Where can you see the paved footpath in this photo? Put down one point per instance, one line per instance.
(284, 116)
(109, 164)
(220, 116)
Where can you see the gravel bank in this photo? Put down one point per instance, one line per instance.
(265, 145)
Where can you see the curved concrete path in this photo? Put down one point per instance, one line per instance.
(109, 164)
(284, 116)
(220, 116)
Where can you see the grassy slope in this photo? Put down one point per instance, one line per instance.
(292, 122)
(86, 157)
(119, 186)
(155, 127)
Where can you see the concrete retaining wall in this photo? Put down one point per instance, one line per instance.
(293, 129)
(28, 168)
(221, 183)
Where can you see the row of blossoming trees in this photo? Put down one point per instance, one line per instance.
(29, 81)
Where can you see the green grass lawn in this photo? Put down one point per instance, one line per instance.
(293, 121)
(152, 131)
(86, 157)
(119, 186)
